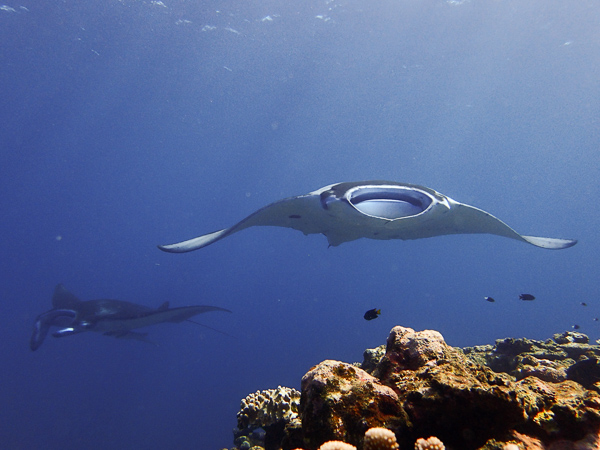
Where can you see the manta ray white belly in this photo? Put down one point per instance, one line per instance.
(344, 212)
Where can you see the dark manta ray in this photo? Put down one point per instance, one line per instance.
(111, 317)
(372, 209)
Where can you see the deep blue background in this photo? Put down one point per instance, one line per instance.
(127, 124)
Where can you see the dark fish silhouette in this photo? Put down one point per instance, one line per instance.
(583, 304)
(489, 299)
(372, 314)
(110, 317)
(576, 327)
(526, 297)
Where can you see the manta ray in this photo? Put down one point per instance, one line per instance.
(385, 210)
(111, 317)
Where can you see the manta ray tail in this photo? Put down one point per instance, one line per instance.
(128, 334)
(195, 243)
(211, 328)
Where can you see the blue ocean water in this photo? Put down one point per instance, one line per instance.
(127, 124)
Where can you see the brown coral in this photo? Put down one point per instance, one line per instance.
(410, 349)
(341, 402)
(380, 439)
(432, 443)
(421, 382)
(264, 408)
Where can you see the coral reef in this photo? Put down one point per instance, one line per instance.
(371, 358)
(380, 439)
(375, 439)
(341, 402)
(336, 445)
(567, 355)
(264, 415)
(511, 447)
(432, 443)
(518, 394)
(264, 408)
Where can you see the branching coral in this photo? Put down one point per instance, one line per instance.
(432, 443)
(380, 439)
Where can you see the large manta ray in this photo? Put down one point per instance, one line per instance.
(111, 317)
(344, 212)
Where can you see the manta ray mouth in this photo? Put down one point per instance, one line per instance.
(389, 202)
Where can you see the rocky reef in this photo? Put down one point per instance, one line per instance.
(264, 416)
(516, 394)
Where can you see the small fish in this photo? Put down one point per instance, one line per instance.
(372, 314)
(526, 297)
(583, 304)
(576, 327)
(595, 319)
(489, 299)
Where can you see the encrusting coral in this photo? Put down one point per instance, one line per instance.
(341, 401)
(432, 443)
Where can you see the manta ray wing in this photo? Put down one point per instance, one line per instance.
(303, 213)
(154, 317)
(417, 212)
(550, 243)
(376, 210)
(183, 313)
(470, 220)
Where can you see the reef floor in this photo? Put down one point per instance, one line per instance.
(517, 394)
